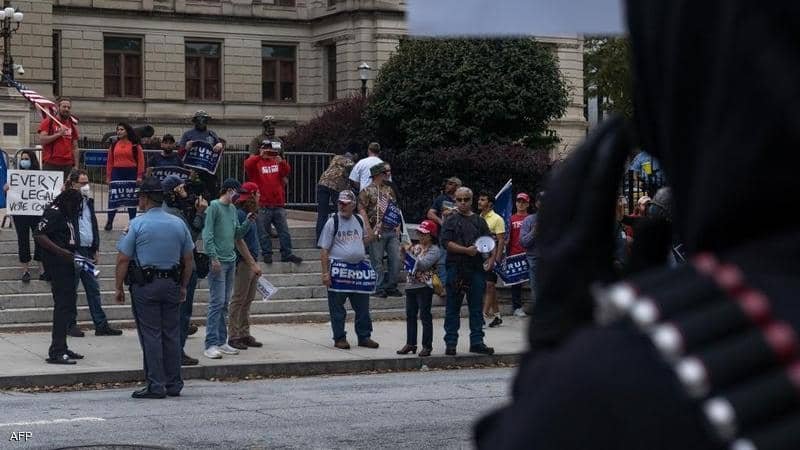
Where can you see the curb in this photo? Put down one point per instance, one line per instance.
(275, 369)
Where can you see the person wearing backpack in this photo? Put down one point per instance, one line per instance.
(125, 163)
(59, 142)
(342, 241)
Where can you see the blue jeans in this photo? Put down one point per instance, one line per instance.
(92, 295)
(220, 287)
(186, 308)
(532, 275)
(360, 305)
(277, 217)
(474, 285)
(324, 207)
(388, 244)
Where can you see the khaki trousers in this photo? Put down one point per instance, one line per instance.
(244, 289)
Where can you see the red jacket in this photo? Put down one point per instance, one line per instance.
(268, 174)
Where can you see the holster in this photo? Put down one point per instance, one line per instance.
(135, 275)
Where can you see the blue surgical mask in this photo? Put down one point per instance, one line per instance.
(24, 164)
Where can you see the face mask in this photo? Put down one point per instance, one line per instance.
(86, 190)
(24, 164)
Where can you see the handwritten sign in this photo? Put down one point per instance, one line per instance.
(165, 171)
(513, 270)
(30, 191)
(202, 156)
(122, 194)
(359, 278)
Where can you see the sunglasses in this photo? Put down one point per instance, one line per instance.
(464, 199)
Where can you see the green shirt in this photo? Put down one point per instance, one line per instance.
(221, 231)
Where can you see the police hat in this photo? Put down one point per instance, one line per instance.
(150, 185)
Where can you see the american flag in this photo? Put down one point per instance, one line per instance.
(37, 99)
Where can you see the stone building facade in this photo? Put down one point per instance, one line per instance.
(158, 61)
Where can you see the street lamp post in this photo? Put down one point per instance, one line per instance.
(363, 73)
(10, 20)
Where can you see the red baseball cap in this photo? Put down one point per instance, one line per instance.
(524, 196)
(428, 227)
(247, 190)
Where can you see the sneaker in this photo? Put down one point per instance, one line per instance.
(107, 331)
(237, 344)
(267, 259)
(342, 344)
(228, 350)
(482, 349)
(292, 259)
(75, 332)
(187, 360)
(212, 352)
(450, 350)
(63, 359)
(519, 313)
(26, 277)
(192, 329)
(495, 322)
(369, 343)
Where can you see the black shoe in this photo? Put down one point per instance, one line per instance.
(73, 355)
(173, 394)
(192, 329)
(292, 259)
(368, 343)
(75, 332)
(109, 226)
(45, 277)
(482, 349)
(450, 351)
(26, 277)
(394, 293)
(381, 294)
(267, 259)
(63, 359)
(107, 331)
(187, 360)
(145, 393)
(496, 322)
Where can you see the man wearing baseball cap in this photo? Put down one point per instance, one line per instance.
(523, 202)
(267, 134)
(269, 171)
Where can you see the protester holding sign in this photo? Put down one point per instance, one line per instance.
(25, 225)
(346, 271)
(124, 170)
(376, 202)
(201, 136)
(515, 248)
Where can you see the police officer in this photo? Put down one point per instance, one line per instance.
(155, 257)
(57, 236)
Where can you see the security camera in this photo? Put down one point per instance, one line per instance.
(20, 70)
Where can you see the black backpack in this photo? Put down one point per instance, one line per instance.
(336, 224)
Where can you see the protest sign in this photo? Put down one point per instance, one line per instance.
(122, 194)
(165, 171)
(513, 269)
(30, 191)
(358, 278)
(265, 288)
(202, 156)
(392, 217)
(409, 262)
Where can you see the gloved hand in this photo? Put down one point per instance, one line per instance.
(576, 233)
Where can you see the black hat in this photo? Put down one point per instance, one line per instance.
(168, 138)
(232, 183)
(149, 185)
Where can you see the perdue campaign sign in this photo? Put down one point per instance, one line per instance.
(30, 191)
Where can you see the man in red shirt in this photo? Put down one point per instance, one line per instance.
(59, 144)
(268, 170)
(515, 248)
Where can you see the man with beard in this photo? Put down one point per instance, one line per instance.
(59, 142)
(200, 132)
(57, 236)
(168, 156)
(703, 355)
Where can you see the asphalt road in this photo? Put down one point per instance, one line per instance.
(433, 409)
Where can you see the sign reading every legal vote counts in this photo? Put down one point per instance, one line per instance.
(30, 191)
(165, 171)
(122, 194)
(357, 277)
(202, 156)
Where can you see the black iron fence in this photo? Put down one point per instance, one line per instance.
(634, 186)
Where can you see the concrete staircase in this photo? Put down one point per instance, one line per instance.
(301, 296)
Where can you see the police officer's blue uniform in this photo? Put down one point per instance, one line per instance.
(156, 241)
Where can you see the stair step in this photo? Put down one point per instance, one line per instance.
(110, 245)
(297, 232)
(310, 254)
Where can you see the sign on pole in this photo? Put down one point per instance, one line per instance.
(30, 191)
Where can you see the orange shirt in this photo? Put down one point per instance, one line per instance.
(60, 151)
(120, 155)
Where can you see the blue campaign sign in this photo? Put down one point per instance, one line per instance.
(513, 269)
(202, 156)
(409, 262)
(165, 171)
(95, 158)
(358, 278)
(122, 194)
(392, 217)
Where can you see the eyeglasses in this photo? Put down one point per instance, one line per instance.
(464, 199)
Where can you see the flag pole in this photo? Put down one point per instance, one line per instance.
(42, 109)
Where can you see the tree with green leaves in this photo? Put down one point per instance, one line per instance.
(607, 73)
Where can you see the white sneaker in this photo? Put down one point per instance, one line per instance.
(212, 352)
(519, 313)
(228, 350)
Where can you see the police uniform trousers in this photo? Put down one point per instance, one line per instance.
(65, 298)
(156, 308)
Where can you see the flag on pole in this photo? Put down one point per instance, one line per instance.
(504, 205)
(86, 265)
(43, 104)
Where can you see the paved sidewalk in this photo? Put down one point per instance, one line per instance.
(289, 350)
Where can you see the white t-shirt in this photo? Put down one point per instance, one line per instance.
(348, 244)
(360, 172)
